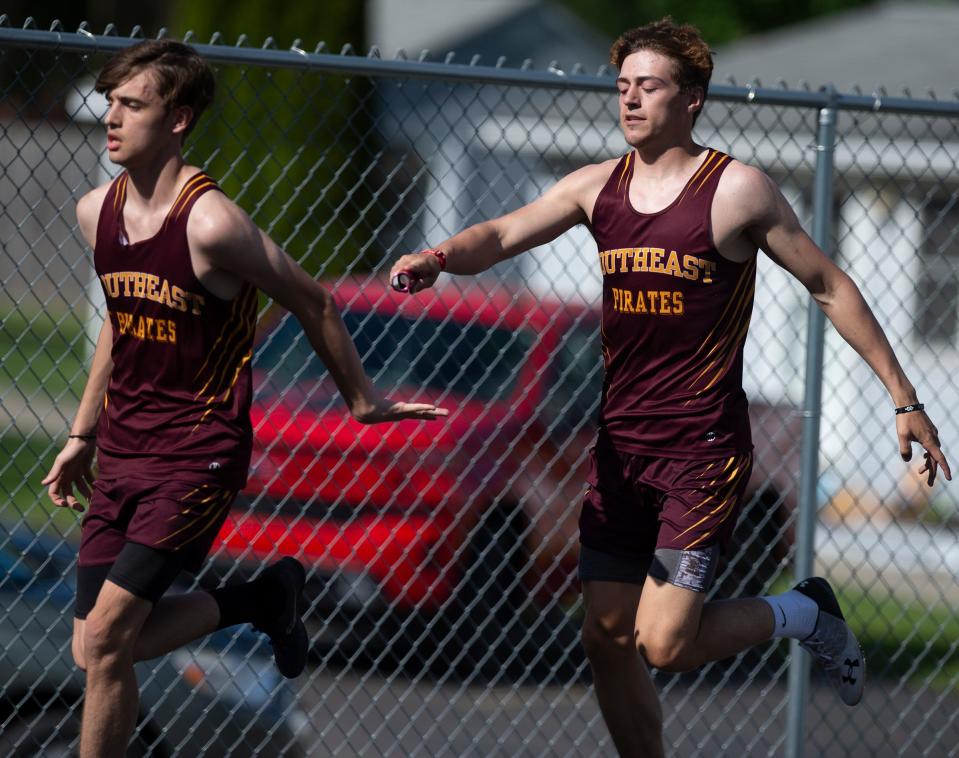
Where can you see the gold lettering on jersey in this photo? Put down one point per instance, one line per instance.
(658, 302)
(672, 265)
(146, 328)
(152, 287)
(152, 281)
(657, 260)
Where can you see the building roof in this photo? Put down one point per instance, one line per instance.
(415, 25)
(891, 44)
(897, 44)
(539, 30)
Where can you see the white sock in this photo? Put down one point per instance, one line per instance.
(795, 613)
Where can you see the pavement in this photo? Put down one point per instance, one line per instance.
(351, 714)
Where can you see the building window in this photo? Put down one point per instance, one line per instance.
(937, 289)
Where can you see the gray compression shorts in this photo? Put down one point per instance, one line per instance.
(691, 569)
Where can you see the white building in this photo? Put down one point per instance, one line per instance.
(896, 223)
(896, 211)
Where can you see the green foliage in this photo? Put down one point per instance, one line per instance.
(719, 20)
(335, 22)
(283, 142)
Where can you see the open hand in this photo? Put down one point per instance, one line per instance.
(72, 469)
(384, 409)
(917, 427)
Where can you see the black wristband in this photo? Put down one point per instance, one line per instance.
(81, 436)
(910, 408)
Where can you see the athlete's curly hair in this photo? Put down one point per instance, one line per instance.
(692, 58)
(182, 76)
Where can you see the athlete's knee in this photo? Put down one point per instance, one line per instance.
(108, 639)
(668, 651)
(101, 646)
(605, 638)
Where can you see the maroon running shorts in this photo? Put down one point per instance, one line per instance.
(177, 515)
(635, 503)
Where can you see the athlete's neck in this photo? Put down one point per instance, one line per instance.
(661, 164)
(154, 185)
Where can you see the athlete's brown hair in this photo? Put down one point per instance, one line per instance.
(182, 76)
(681, 42)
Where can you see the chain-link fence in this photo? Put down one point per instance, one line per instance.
(445, 611)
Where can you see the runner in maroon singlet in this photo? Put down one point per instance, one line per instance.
(168, 397)
(177, 405)
(678, 227)
(179, 393)
(675, 315)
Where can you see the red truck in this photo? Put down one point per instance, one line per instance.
(463, 529)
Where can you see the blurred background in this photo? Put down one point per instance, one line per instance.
(442, 559)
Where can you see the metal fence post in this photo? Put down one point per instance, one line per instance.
(812, 406)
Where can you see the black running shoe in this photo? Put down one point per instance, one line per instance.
(286, 632)
(832, 643)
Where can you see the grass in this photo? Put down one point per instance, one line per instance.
(44, 352)
(905, 639)
(42, 369)
(24, 461)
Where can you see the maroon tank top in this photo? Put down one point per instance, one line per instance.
(178, 399)
(675, 315)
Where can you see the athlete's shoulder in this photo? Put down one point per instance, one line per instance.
(585, 183)
(216, 221)
(741, 177)
(88, 211)
(594, 174)
(747, 187)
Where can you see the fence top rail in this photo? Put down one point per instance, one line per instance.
(85, 42)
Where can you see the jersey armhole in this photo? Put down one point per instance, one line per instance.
(604, 190)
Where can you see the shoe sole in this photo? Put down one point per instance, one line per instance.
(851, 681)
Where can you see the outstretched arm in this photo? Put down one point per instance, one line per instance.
(225, 237)
(567, 203)
(775, 229)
